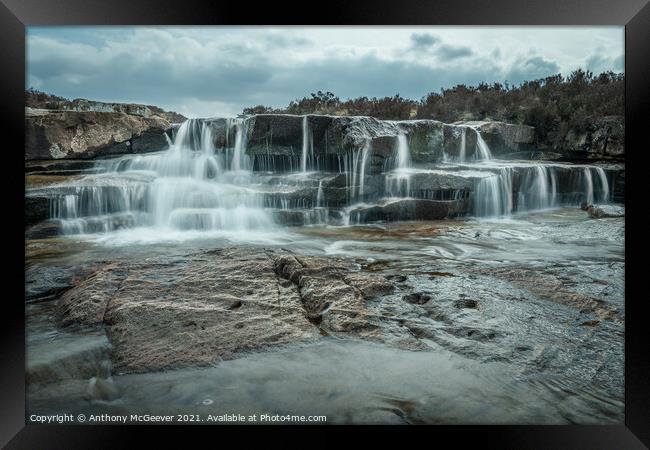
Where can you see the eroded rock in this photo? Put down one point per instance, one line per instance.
(603, 211)
(169, 312)
(87, 134)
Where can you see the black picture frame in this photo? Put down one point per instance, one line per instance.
(15, 15)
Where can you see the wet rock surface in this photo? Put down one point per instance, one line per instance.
(602, 211)
(408, 209)
(87, 134)
(168, 313)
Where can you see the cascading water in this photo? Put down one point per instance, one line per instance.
(307, 145)
(356, 181)
(193, 185)
(319, 195)
(493, 194)
(182, 188)
(538, 189)
(463, 145)
(240, 160)
(482, 149)
(604, 185)
(398, 181)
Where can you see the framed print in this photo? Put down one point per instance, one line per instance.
(237, 218)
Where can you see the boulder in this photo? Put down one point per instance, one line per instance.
(501, 137)
(407, 209)
(85, 135)
(37, 209)
(425, 139)
(282, 134)
(602, 211)
(417, 298)
(44, 230)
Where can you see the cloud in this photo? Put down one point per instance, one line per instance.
(531, 68)
(207, 71)
(421, 41)
(281, 40)
(447, 52)
(430, 44)
(599, 62)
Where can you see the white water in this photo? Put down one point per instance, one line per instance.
(604, 185)
(398, 181)
(493, 195)
(240, 160)
(307, 144)
(463, 145)
(403, 152)
(356, 174)
(482, 149)
(193, 186)
(183, 188)
(319, 195)
(539, 188)
(364, 162)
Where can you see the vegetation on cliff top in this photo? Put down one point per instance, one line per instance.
(42, 100)
(554, 105)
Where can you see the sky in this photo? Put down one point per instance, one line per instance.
(218, 71)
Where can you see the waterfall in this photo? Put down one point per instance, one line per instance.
(594, 192)
(362, 170)
(463, 145)
(538, 189)
(398, 181)
(240, 160)
(307, 145)
(185, 187)
(403, 152)
(319, 195)
(192, 185)
(482, 149)
(493, 194)
(356, 169)
(589, 184)
(604, 184)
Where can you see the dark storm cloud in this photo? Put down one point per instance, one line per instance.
(425, 42)
(531, 68)
(421, 41)
(448, 52)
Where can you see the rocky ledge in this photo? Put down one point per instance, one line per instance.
(279, 137)
(82, 135)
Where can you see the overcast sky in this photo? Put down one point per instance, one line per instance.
(217, 71)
